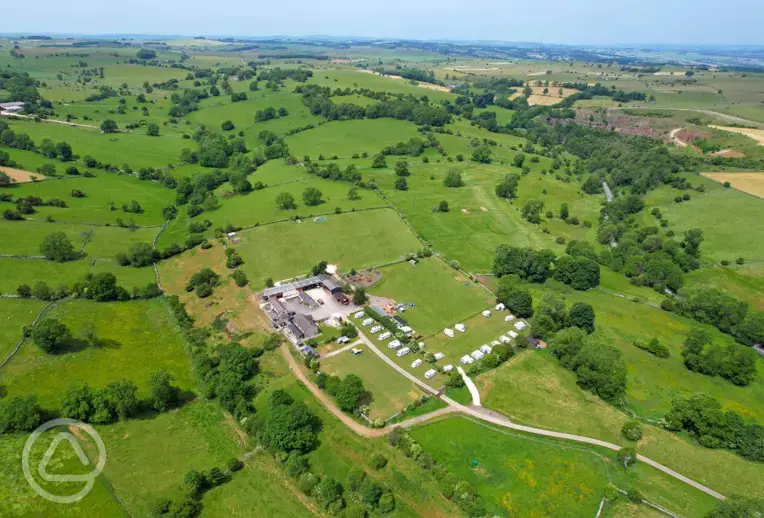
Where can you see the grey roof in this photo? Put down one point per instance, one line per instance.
(296, 285)
(276, 304)
(400, 320)
(330, 284)
(295, 331)
(15, 104)
(306, 324)
(307, 299)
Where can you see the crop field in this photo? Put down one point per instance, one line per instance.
(533, 389)
(442, 295)
(129, 334)
(389, 391)
(285, 250)
(723, 214)
(751, 183)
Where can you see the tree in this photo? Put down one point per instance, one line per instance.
(632, 430)
(581, 273)
(564, 211)
(517, 299)
(285, 201)
(240, 278)
(626, 457)
(482, 155)
(353, 193)
(402, 168)
(453, 178)
(359, 296)
(530, 265)
(57, 247)
(738, 508)
(103, 287)
(237, 359)
(152, 129)
(138, 255)
(290, 428)
(401, 184)
(163, 394)
(122, 395)
(64, 152)
(5, 180)
(508, 187)
(312, 197)
(19, 414)
(532, 211)
(692, 240)
(109, 126)
(518, 160)
(146, 54)
(581, 315)
(379, 161)
(349, 392)
(50, 334)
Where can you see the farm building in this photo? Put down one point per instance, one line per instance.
(341, 298)
(12, 107)
(303, 284)
(400, 322)
(306, 325)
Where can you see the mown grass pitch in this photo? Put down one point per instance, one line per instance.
(351, 240)
(442, 295)
(389, 390)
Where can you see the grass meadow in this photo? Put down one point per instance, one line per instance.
(442, 295)
(533, 389)
(15, 313)
(136, 338)
(106, 242)
(390, 391)
(31, 271)
(34, 232)
(352, 240)
(723, 214)
(520, 474)
(341, 451)
(101, 193)
(744, 282)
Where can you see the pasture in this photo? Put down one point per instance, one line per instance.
(441, 294)
(351, 240)
(751, 183)
(533, 389)
(15, 313)
(755, 134)
(31, 271)
(106, 242)
(517, 473)
(34, 232)
(744, 282)
(723, 214)
(389, 391)
(134, 340)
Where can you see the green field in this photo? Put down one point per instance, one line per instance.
(15, 313)
(723, 214)
(744, 282)
(34, 232)
(533, 389)
(284, 250)
(442, 295)
(137, 338)
(31, 271)
(101, 193)
(515, 473)
(389, 391)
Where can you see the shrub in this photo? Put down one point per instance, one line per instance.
(632, 430)
(378, 461)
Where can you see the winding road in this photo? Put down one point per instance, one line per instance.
(481, 413)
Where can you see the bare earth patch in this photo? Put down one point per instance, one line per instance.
(553, 96)
(21, 176)
(755, 134)
(752, 183)
(465, 211)
(729, 153)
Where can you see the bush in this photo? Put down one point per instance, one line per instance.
(632, 430)
(654, 347)
(378, 461)
(626, 457)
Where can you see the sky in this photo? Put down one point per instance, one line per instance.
(577, 22)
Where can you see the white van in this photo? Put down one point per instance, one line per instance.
(403, 352)
(367, 322)
(385, 335)
(430, 373)
(359, 314)
(376, 329)
(416, 363)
